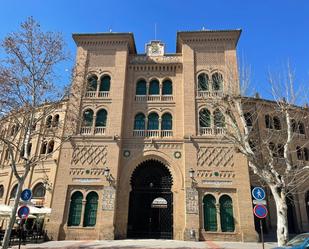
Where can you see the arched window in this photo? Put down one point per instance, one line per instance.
(43, 147)
(204, 116)
(91, 208)
(226, 214)
(293, 125)
(280, 150)
(203, 82)
(101, 118)
(154, 88)
(210, 213)
(299, 153)
(50, 147)
(105, 83)
(75, 209)
(301, 128)
(56, 120)
(219, 119)
(92, 83)
(268, 122)
(39, 190)
(1, 191)
(167, 122)
(277, 123)
(153, 121)
(88, 117)
(139, 121)
(13, 192)
(248, 119)
(306, 154)
(167, 87)
(48, 122)
(141, 87)
(217, 80)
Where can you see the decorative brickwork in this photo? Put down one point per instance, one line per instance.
(91, 155)
(215, 157)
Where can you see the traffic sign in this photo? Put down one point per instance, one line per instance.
(258, 193)
(23, 212)
(260, 211)
(26, 194)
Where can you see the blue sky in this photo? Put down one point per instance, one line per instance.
(273, 31)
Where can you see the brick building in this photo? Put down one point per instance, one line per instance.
(141, 163)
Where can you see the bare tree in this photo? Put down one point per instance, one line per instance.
(271, 151)
(28, 96)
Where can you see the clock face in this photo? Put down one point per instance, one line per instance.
(155, 49)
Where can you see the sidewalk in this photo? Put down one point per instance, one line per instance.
(146, 244)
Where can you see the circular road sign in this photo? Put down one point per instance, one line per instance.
(26, 194)
(23, 212)
(258, 193)
(260, 211)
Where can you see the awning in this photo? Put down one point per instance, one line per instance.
(5, 210)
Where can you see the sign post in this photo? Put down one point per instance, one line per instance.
(260, 209)
(23, 211)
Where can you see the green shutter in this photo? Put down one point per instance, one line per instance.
(210, 214)
(153, 121)
(101, 118)
(91, 208)
(203, 82)
(105, 84)
(75, 209)
(141, 87)
(166, 123)
(154, 88)
(167, 88)
(204, 116)
(226, 214)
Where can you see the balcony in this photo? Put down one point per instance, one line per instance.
(209, 94)
(152, 133)
(154, 98)
(97, 94)
(208, 131)
(92, 131)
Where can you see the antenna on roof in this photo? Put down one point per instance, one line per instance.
(155, 30)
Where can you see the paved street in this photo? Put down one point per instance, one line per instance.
(146, 244)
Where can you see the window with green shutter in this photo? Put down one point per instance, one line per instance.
(203, 82)
(75, 209)
(139, 122)
(101, 118)
(141, 87)
(105, 83)
(167, 88)
(210, 214)
(92, 83)
(91, 208)
(153, 121)
(167, 121)
(154, 88)
(226, 214)
(204, 117)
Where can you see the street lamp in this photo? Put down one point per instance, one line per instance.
(192, 175)
(108, 176)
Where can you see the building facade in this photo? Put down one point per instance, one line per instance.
(140, 161)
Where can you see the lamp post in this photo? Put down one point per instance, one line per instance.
(109, 176)
(192, 175)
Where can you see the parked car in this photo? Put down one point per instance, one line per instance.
(300, 241)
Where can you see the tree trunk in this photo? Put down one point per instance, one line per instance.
(6, 238)
(282, 217)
